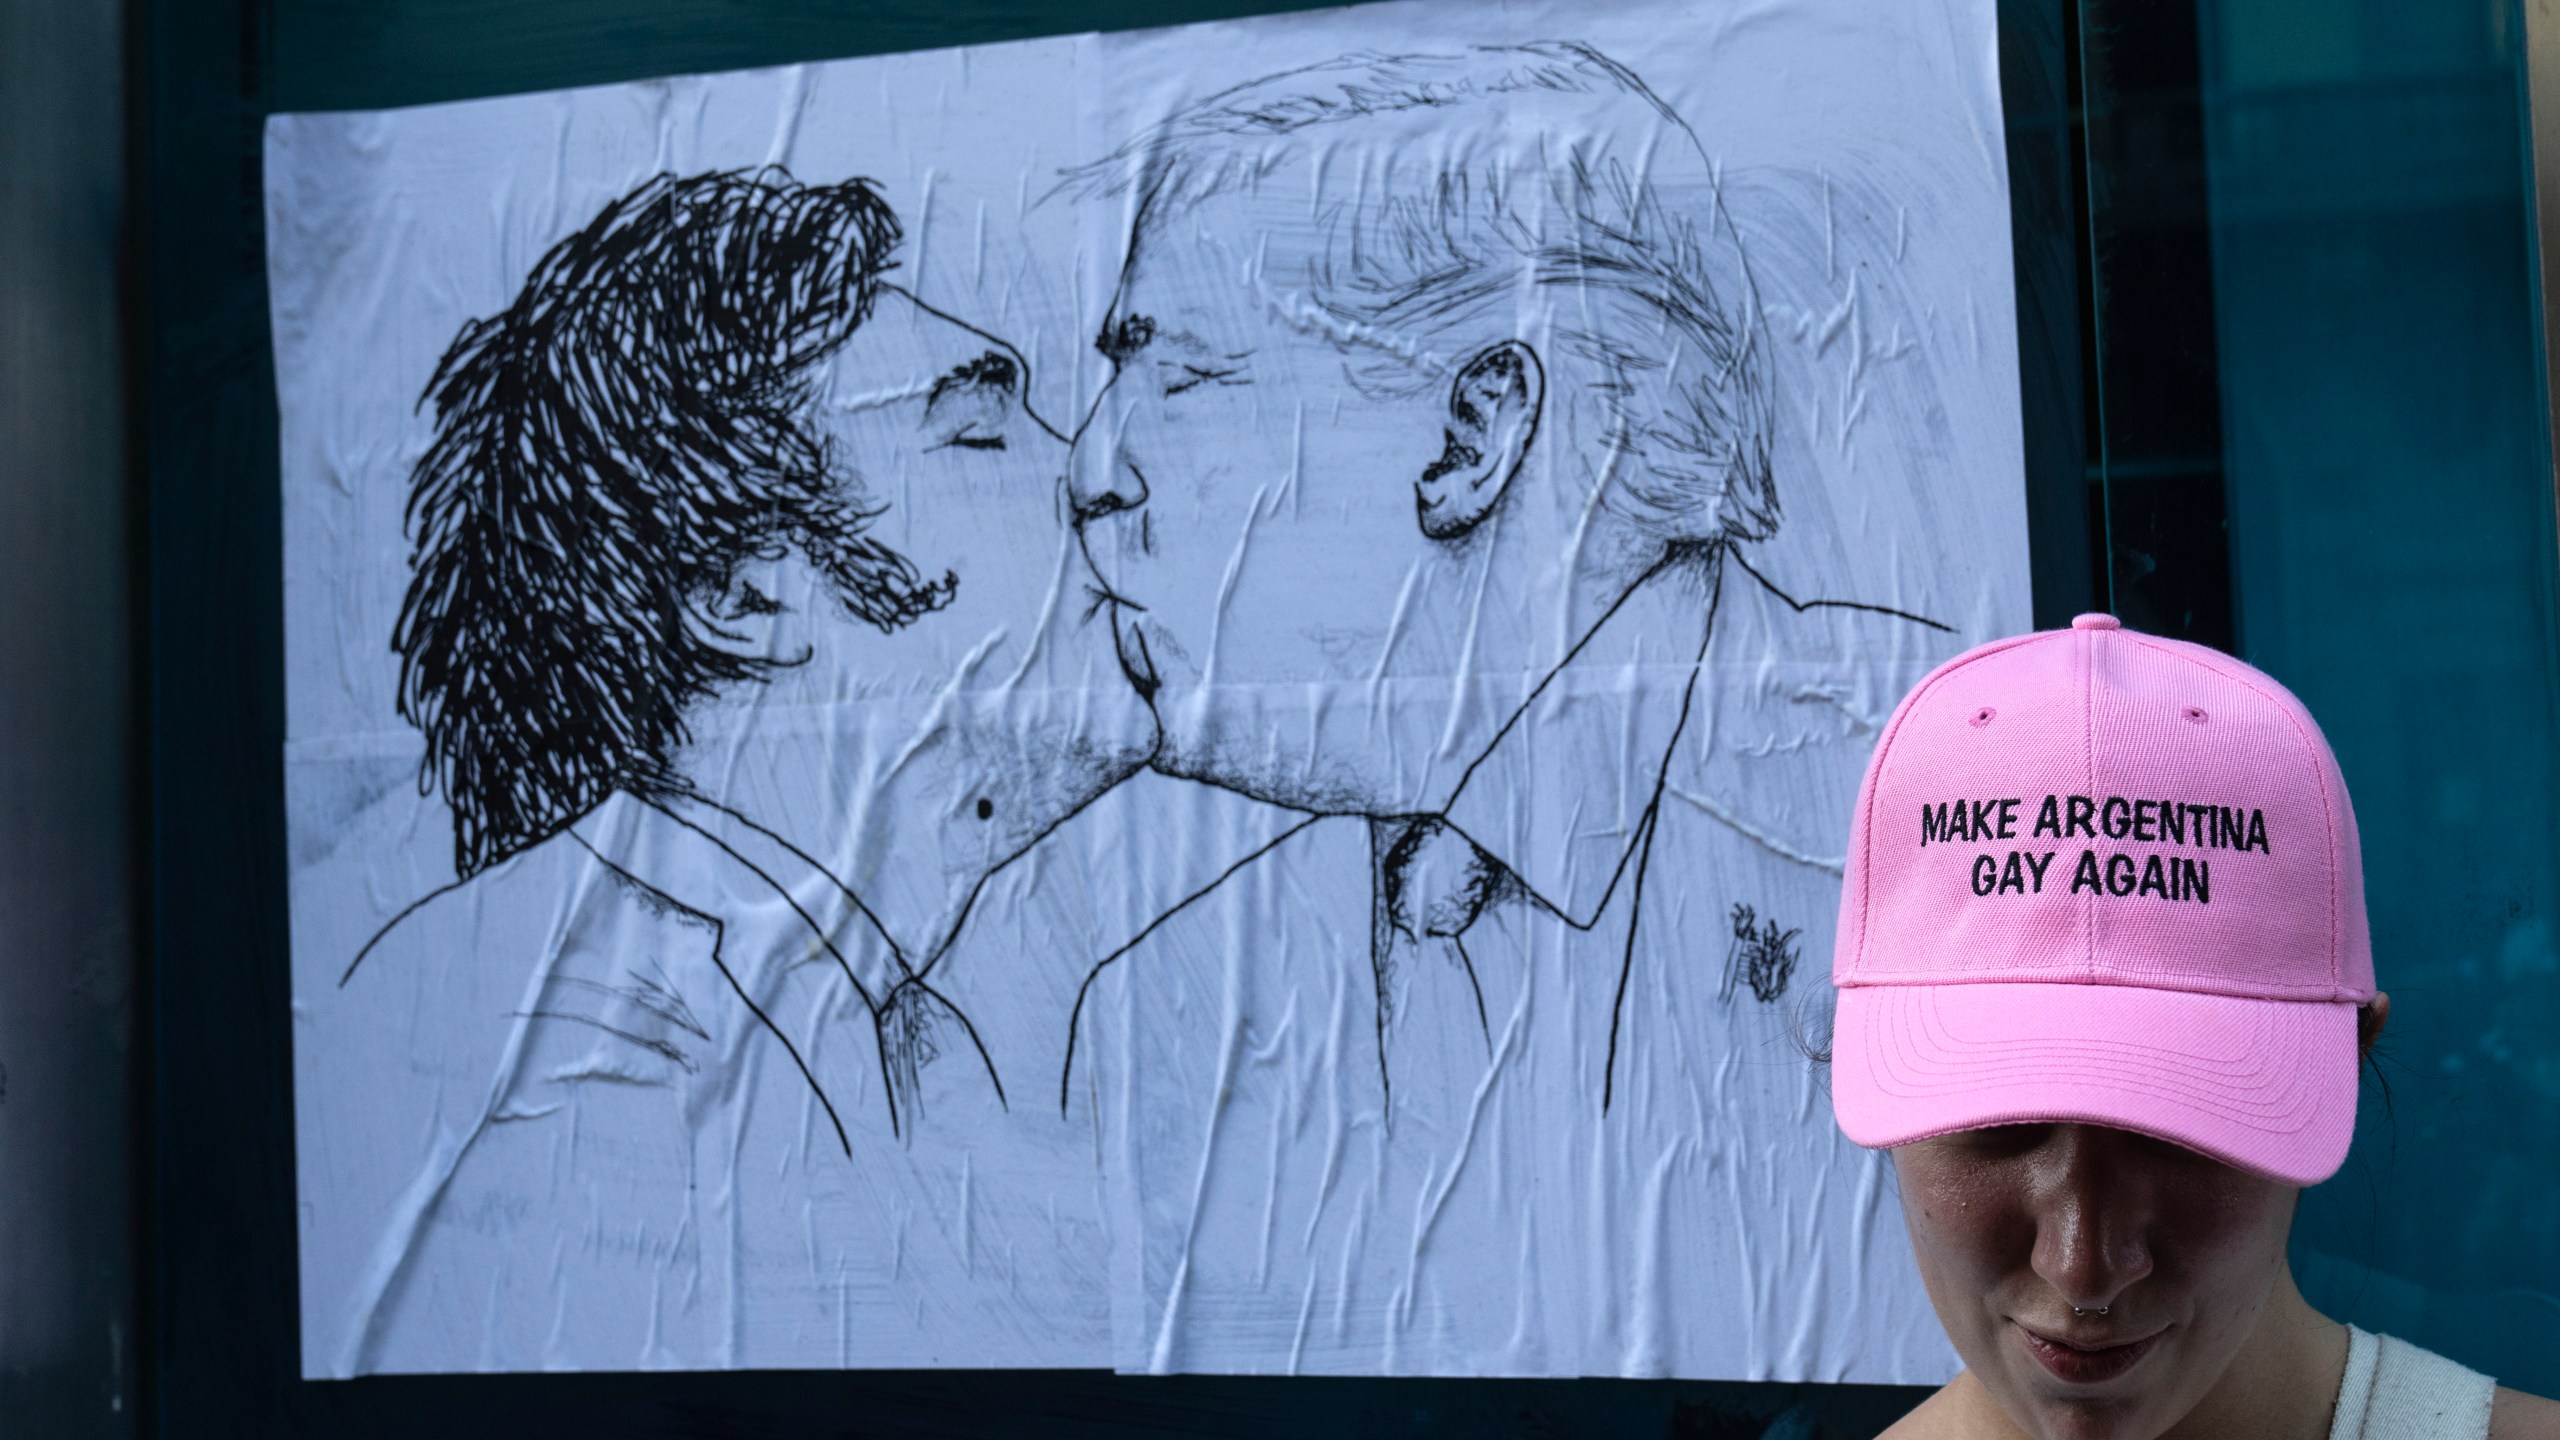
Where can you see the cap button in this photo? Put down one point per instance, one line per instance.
(2096, 621)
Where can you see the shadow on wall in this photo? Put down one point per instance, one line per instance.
(67, 1339)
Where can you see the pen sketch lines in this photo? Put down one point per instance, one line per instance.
(387, 926)
(1762, 956)
(1801, 606)
(719, 934)
(622, 440)
(608, 449)
(1075, 1016)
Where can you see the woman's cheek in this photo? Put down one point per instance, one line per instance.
(2240, 1245)
(1959, 1237)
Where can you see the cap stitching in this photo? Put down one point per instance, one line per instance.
(2089, 784)
(2070, 1116)
(2308, 993)
(2328, 813)
(1890, 1033)
(1875, 773)
(1927, 1054)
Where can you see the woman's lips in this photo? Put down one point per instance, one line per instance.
(2085, 1365)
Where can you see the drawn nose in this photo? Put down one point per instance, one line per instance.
(1122, 488)
(1102, 476)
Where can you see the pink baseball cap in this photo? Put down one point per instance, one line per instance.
(2099, 876)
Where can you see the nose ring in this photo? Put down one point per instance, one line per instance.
(2101, 1310)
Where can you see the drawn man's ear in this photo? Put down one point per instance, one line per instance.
(743, 612)
(1493, 418)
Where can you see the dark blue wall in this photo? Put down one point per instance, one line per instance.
(66, 738)
(2393, 547)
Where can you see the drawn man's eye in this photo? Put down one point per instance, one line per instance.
(971, 440)
(748, 600)
(1120, 342)
(1192, 377)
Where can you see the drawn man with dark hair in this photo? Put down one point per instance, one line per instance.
(1426, 479)
(614, 450)
(747, 641)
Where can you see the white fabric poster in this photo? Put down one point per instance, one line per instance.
(1182, 700)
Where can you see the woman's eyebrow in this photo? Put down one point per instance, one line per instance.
(994, 369)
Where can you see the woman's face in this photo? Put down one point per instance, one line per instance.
(2016, 1226)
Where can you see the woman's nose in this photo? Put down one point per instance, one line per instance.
(2092, 1223)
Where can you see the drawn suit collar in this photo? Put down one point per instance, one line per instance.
(1562, 795)
(765, 894)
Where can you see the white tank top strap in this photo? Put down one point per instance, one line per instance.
(2395, 1391)
(2355, 1388)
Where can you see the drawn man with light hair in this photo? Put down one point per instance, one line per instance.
(1440, 418)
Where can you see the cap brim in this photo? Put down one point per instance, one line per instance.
(2268, 1086)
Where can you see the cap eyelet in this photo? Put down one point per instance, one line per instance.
(1983, 717)
(2195, 714)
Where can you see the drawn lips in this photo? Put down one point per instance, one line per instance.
(1135, 661)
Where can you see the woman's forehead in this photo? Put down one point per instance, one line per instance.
(2115, 1143)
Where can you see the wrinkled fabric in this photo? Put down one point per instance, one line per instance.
(1390, 937)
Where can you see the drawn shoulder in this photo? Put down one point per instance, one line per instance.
(396, 1060)
(464, 917)
(1811, 627)
(1796, 691)
(425, 1007)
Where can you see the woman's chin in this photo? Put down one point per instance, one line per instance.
(2050, 1407)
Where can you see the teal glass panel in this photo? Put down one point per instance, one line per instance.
(2392, 550)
